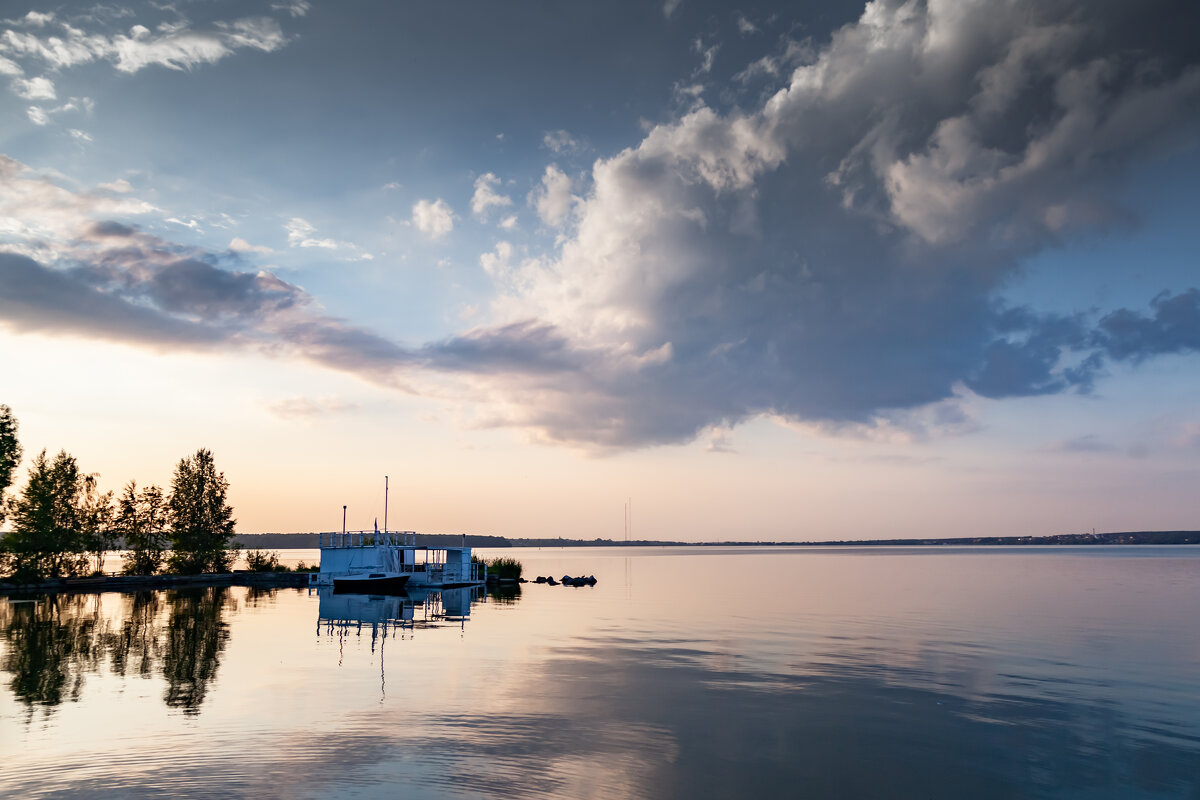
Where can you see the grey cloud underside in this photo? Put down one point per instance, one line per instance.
(576, 394)
(35, 298)
(186, 303)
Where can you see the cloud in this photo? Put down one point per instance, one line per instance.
(37, 116)
(239, 245)
(79, 136)
(1088, 443)
(486, 197)
(669, 7)
(300, 234)
(33, 19)
(560, 141)
(183, 48)
(708, 55)
(434, 218)
(310, 409)
(552, 198)
(497, 262)
(34, 89)
(120, 186)
(297, 8)
(1174, 327)
(508, 223)
(190, 224)
(745, 26)
(68, 266)
(834, 255)
(174, 46)
(720, 440)
(34, 298)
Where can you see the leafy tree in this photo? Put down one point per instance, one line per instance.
(47, 538)
(96, 522)
(141, 518)
(10, 453)
(201, 521)
(264, 561)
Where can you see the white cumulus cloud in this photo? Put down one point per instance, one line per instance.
(552, 198)
(300, 233)
(239, 245)
(34, 88)
(434, 218)
(486, 197)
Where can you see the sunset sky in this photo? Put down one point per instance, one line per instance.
(773, 271)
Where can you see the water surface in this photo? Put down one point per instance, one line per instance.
(685, 672)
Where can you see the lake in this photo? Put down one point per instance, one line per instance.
(684, 673)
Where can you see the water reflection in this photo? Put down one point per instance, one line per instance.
(49, 645)
(53, 642)
(194, 637)
(831, 675)
(338, 613)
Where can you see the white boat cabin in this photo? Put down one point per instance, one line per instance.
(396, 551)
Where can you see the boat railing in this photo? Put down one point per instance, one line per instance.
(366, 538)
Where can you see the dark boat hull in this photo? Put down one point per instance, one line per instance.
(392, 584)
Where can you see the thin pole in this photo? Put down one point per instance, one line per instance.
(385, 504)
(343, 522)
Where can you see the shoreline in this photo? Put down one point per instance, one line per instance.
(121, 583)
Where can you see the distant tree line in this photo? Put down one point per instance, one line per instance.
(62, 525)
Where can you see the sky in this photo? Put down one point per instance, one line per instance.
(762, 271)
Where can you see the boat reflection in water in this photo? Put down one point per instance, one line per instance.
(343, 615)
(405, 611)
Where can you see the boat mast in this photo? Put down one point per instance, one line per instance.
(385, 504)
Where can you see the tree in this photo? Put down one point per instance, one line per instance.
(96, 523)
(47, 539)
(141, 518)
(201, 521)
(10, 453)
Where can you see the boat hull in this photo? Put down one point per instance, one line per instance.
(362, 584)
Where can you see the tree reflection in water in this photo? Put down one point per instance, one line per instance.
(196, 634)
(51, 643)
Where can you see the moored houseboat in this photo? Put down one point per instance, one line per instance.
(357, 555)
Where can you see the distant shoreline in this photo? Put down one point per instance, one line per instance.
(311, 541)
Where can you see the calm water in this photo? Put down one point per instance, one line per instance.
(903, 672)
